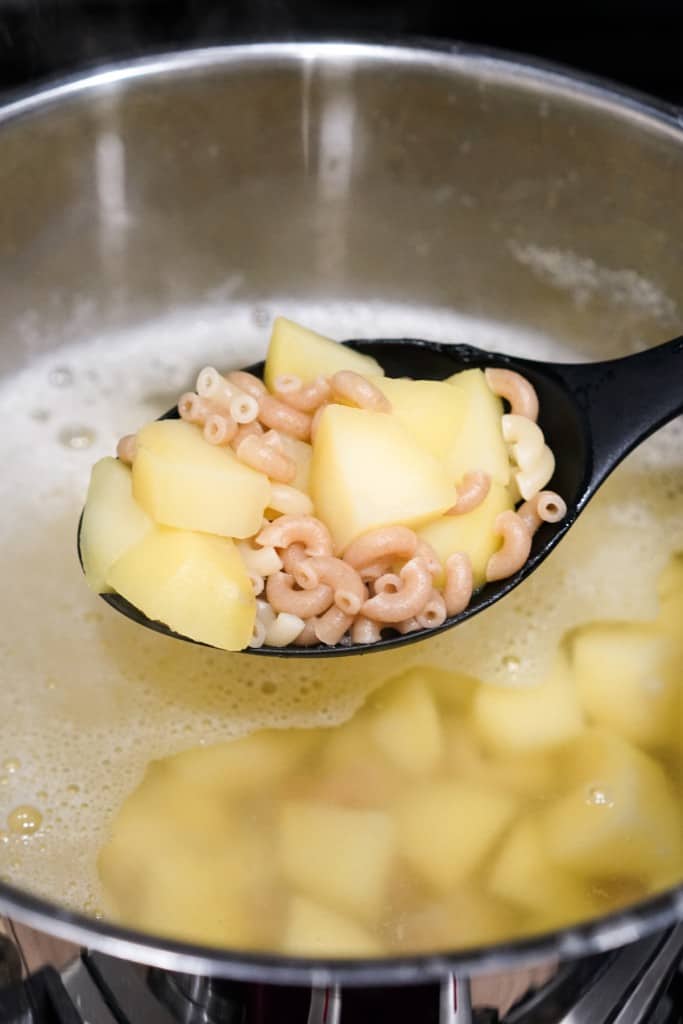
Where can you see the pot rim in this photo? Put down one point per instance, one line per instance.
(599, 935)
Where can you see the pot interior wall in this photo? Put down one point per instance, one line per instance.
(341, 173)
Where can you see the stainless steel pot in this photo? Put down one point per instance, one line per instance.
(343, 172)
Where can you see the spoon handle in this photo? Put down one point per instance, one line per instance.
(625, 400)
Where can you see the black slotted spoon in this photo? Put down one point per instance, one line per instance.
(592, 415)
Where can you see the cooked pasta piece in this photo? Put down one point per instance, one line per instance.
(528, 448)
(125, 449)
(284, 629)
(471, 492)
(386, 542)
(365, 631)
(306, 530)
(219, 428)
(280, 416)
(532, 480)
(307, 637)
(291, 557)
(389, 583)
(264, 561)
(514, 552)
(409, 601)
(247, 382)
(257, 582)
(357, 390)
(370, 573)
(426, 551)
(331, 627)
(434, 612)
(290, 501)
(253, 429)
(457, 591)
(256, 452)
(304, 603)
(515, 389)
(525, 439)
(243, 408)
(349, 590)
(194, 409)
(546, 506)
(306, 398)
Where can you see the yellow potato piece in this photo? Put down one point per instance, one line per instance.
(472, 532)
(177, 864)
(196, 584)
(522, 874)
(467, 917)
(183, 481)
(445, 829)
(432, 412)
(405, 726)
(367, 471)
(620, 816)
(315, 930)
(526, 718)
(298, 351)
(627, 680)
(338, 855)
(479, 444)
(533, 774)
(247, 765)
(112, 521)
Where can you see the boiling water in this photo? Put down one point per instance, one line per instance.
(88, 699)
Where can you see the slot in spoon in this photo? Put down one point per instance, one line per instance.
(592, 415)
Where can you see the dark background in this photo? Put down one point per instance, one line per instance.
(637, 43)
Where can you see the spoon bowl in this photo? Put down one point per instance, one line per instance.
(592, 416)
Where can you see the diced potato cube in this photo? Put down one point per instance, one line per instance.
(302, 453)
(112, 521)
(620, 815)
(406, 727)
(522, 874)
(183, 481)
(177, 864)
(525, 718)
(471, 532)
(367, 471)
(337, 854)
(626, 680)
(532, 774)
(297, 351)
(431, 411)
(194, 583)
(315, 930)
(452, 690)
(468, 917)
(246, 765)
(479, 444)
(445, 829)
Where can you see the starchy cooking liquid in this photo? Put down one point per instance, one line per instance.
(88, 699)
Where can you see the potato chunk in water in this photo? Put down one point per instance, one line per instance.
(619, 817)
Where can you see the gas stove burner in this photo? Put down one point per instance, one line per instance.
(639, 984)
